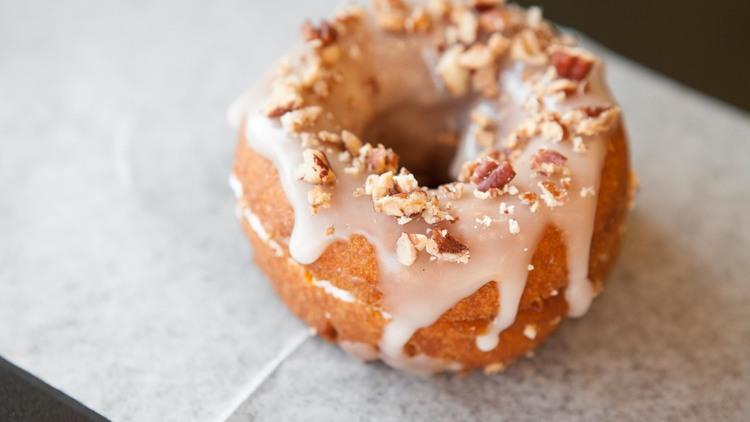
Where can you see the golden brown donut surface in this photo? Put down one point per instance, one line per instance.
(342, 292)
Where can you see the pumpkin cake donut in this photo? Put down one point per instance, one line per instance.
(434, 186)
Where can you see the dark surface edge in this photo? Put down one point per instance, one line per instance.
(24, 397)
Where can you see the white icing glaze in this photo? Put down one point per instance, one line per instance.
(496, 253)
(236, 186)
(255, 224)
(334, 291)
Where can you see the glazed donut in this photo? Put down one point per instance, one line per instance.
(436, 187)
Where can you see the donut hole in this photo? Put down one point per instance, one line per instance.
(425, 137)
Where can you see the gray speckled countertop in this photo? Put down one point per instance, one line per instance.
(126, 283)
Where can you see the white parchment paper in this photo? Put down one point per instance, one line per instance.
(125, 280)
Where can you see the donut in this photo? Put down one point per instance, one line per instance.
(436, 187)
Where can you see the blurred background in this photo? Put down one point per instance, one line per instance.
(705, 45)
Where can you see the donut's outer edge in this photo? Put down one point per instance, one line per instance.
(352, 266)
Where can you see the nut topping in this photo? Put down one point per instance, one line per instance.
(391, 15)
(466, 24)
(587, 191)
(283, 101)
(351, 142)
(295, 121)
(318, 198)
(483, 5)
(406, 253)
(418, 21)
(600, 119)
(323, 34)
(498, 44)
(531, 199)
(315, 168)
(445, 247)
(571, 64)
(476, 57)
(547, 162)
(492, 20)
(552, 194)
(455, 76)
(490, 174)
(389, 198)
(526, 47)
(379, 159)
(513, 226)
(454, 190)
(476, 43)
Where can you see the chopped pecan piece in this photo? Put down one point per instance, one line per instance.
(547, 162)
(455, 76)
(484, 5)
(587, 191)
(594, 111)
(295, 121)
(492, 20)
(391, 15)
(434, 212)
(570, 64)
(405, 182)
(379, 186)
(406, 253)
(397, 196)
(324, 33)
(318, 198)
(561, 88)
(490, 174)
(402, 204)
(454, 190)
(376, 160)
(445, 247)
(531, 199)
(283, 102)
(506, 209)
(351, 142)
(552, 194)
(498, 44)
(329, 138)
(600, 119)
(380, 159)
(466, 23)
(513, 226)
(534, 17)
(315, 168)
(552, 130)
(476, 57)
(418, 21)
(419, 241)
(527, 47)
(484, 220)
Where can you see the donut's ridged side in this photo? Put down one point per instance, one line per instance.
(352, 266)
